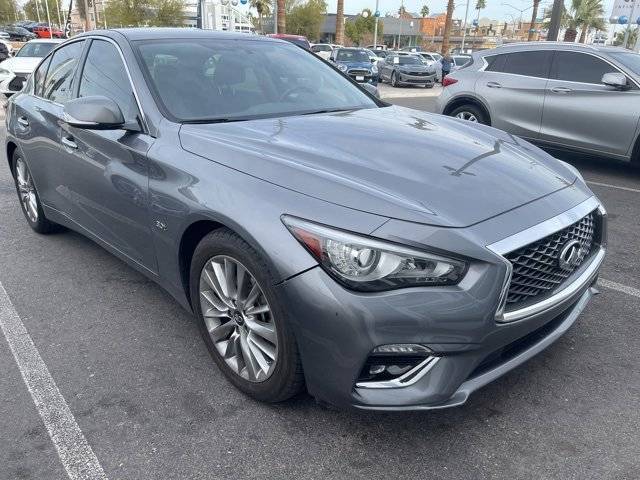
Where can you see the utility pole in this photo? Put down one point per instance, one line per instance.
(464, 31)
(554, 26)
(375, 28)
(46, 4)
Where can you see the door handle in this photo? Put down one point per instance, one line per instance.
(561, 90)
(493, 85)
(23, 121)
(69, 143)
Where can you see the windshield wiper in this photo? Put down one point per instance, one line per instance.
(217, 120)
(329, 110)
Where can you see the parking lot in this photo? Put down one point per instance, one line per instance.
(130, 365)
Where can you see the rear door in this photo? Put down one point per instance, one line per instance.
(581, 112)
(513, 86)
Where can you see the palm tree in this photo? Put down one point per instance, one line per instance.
(340, 23)
(590, 13)
(263, 7)
(425, 11)
(534, 15)
(447, 28)
(481, 4)
(282, 20)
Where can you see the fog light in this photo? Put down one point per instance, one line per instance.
(402, 348)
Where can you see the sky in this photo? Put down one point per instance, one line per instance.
(495, 10)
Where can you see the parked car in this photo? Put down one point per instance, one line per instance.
(357, 63)
(18, 33)
(43, 31)
(408, 69)
(323, 50)
(458, 61)
(4, 35)
(298, 40)
(386, 258)
(15, 71)
(431, 58)
(560, 95)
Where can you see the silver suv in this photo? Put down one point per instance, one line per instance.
(558, 95)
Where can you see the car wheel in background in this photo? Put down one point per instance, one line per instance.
(29, 200)
(394, 79)
(470, 113)
(242, 320)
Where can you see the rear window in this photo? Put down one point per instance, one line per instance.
(533, 63)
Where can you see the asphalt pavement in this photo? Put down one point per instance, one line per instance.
(137, 379)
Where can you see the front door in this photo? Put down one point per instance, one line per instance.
(581, 112)
(109, 189)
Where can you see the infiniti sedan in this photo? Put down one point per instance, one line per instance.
(403, 265)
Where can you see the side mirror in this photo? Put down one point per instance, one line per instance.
(371, 89)
(616, 80)
(373, 60)
(94, 112)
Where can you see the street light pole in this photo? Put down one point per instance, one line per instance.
(464, 31)
(375, 28)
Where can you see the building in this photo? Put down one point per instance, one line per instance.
(396, 32)
(216, 16)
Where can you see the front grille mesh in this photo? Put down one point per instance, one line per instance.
(536, 269)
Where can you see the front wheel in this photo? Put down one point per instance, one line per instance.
(29, 199)
(470, 113)
(394, 80)
(242, 319)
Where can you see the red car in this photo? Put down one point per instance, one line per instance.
(47, 32)
(295, 39)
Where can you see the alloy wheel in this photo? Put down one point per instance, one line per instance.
(468, 116)
(26, 190)
(238, 318)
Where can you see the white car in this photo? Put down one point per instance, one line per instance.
(323, 50)
(15, 71)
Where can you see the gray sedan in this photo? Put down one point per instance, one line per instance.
(559, 95)
(404, 264)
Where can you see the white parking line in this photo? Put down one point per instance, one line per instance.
(627, 189)
(619, 287)
(76, 455)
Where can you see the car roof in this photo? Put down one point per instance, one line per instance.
(47, 40)
(158, 33)
(521, 46)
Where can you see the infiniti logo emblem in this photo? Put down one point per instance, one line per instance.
(570, 255)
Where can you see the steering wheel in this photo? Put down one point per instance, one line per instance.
(297, 88)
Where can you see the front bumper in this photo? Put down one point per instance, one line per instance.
(364, 77)
(408, 79)
(337, 329)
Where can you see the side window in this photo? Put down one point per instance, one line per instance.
(580, 67)
(58, 84)
(530, 63)
(104, 74)
(495, 63)
(38, 77)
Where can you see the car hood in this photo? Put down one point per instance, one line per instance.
(364, 65)
(21, 64)
(391, 161)
(415, 68)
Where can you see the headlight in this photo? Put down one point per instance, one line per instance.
(573, 170)
(367, 264)
(374, 69)
(342, 68)
(4, 72)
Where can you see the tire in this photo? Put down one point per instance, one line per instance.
(285, 377)
(31, 206)
(394, 80)
(471, 113)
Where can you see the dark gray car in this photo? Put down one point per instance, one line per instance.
(559, 95)
(402, 265)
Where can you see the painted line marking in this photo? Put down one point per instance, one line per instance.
(634, 292)
(626, 189)
(76, 455)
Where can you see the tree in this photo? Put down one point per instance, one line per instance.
(582, 13)
(619, 39)
(282, 21)
(425, 11)
(534, 16)
(363, 27)
(8, 11)
(447, 28)
(166, 13)
(340, 22)
(480, 5)
(590, 13)
(263, 7)
(306, 18)
(156, 13)
(31, 9)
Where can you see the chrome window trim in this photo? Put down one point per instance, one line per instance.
(533, 234)
(407, 379)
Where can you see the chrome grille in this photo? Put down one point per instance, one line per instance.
(536, 267)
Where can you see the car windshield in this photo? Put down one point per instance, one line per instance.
(352, 56)
(213, 80)
(35, 49)
(436, 56)
(629, 60)
(409, 60)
